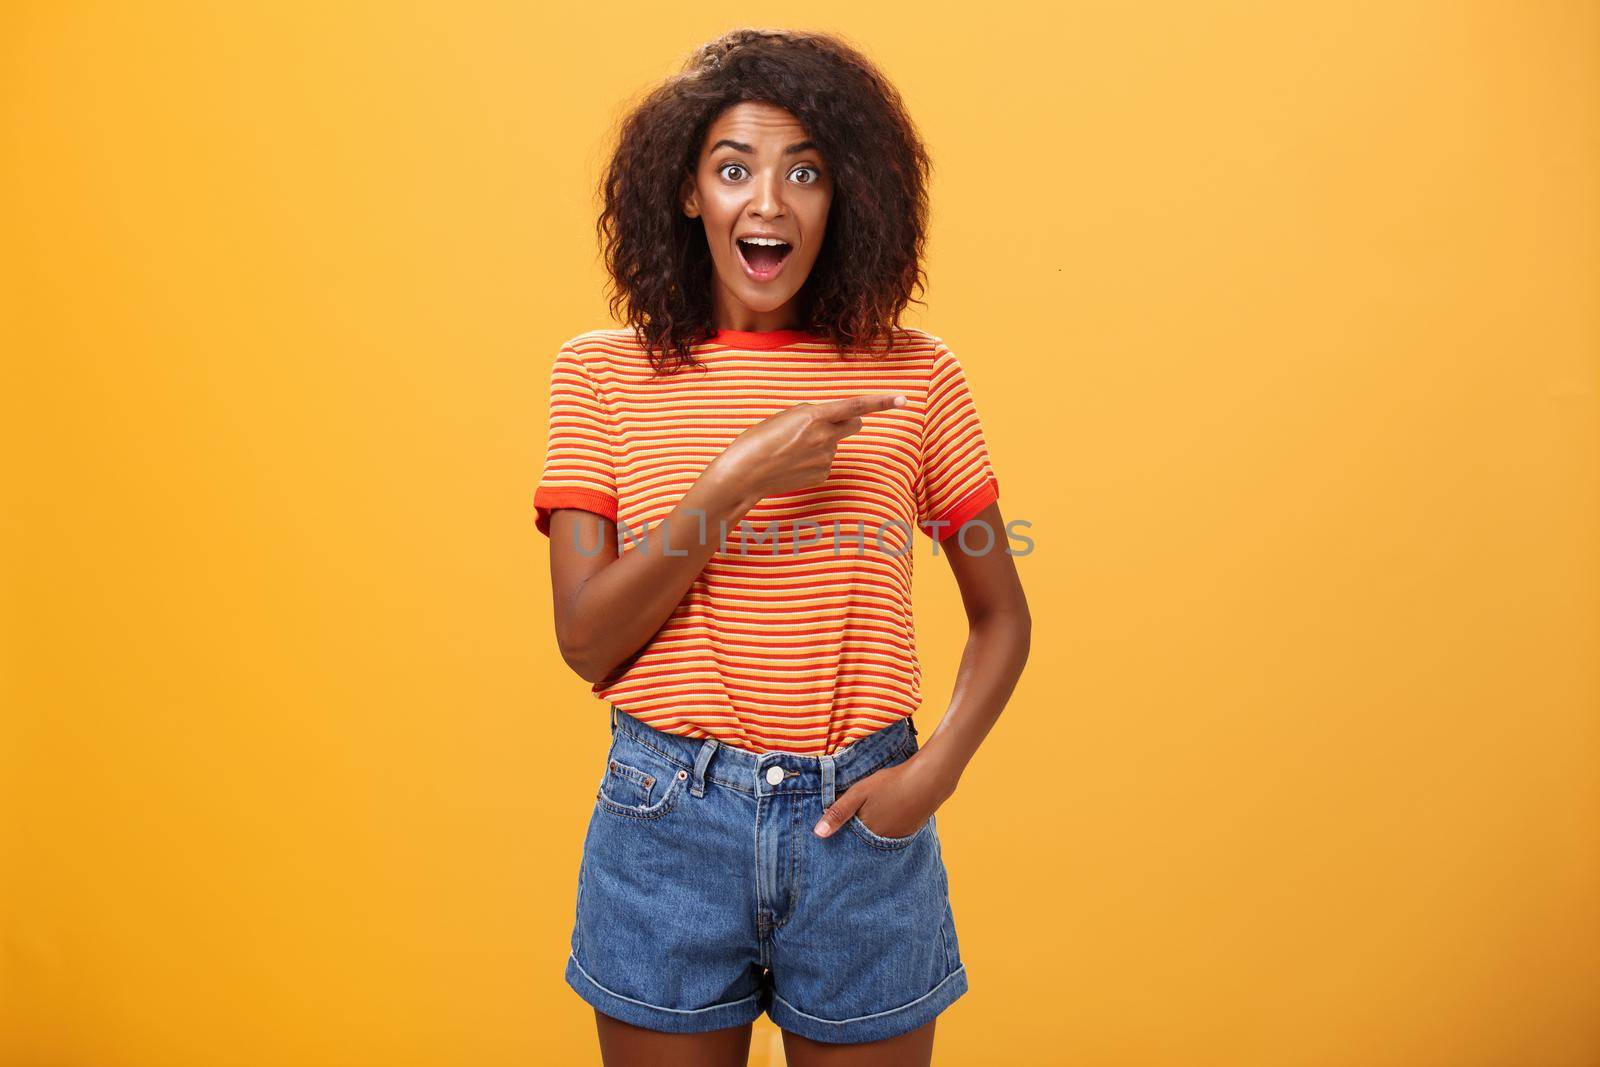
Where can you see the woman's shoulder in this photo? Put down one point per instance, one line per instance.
(913, 338)
(923, 347)
(609, 338)
(606, 352)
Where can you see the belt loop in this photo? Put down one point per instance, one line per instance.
(613, 718)
(698, 786)
(828, 795)
(911, 722)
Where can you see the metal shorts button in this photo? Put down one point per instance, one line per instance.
(774, 774)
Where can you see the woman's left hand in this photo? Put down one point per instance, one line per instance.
(900, 799)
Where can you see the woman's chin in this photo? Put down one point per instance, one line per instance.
(760, 297)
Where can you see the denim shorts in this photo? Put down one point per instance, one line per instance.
(704, 897)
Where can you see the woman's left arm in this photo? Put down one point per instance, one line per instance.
(902, 797)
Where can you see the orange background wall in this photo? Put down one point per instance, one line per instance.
(1283, 322)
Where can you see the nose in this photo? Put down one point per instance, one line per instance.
(766, 197)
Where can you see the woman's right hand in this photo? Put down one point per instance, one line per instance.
(794, 448)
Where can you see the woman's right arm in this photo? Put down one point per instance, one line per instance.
(609, 605)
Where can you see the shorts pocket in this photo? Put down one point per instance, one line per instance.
(877, 840)
(627, 785)
(638, 784)
(887, 844)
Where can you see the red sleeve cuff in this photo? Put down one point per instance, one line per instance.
(963, 510)
(547, 500)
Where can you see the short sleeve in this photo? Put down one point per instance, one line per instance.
(579, 471)
(956, 480)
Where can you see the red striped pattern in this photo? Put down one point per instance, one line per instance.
(802, 642)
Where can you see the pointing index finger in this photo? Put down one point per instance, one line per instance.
(851, 406)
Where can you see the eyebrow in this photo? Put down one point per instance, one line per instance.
(791, 150)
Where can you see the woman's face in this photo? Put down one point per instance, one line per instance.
(759, 175)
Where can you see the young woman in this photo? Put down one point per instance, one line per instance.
(730, 491)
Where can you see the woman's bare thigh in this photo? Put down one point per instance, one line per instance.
(908, 1050)
(625, 1045)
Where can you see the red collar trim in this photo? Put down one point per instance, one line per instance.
(762, 338)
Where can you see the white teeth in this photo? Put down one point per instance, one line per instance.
(764, 240)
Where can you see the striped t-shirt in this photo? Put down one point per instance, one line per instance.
(794, 637)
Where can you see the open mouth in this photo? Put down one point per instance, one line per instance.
(762, 258)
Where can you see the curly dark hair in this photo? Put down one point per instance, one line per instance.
(870, 265)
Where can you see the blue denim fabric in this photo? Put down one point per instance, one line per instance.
(705, 899)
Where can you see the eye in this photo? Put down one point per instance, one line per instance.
(736, 172)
